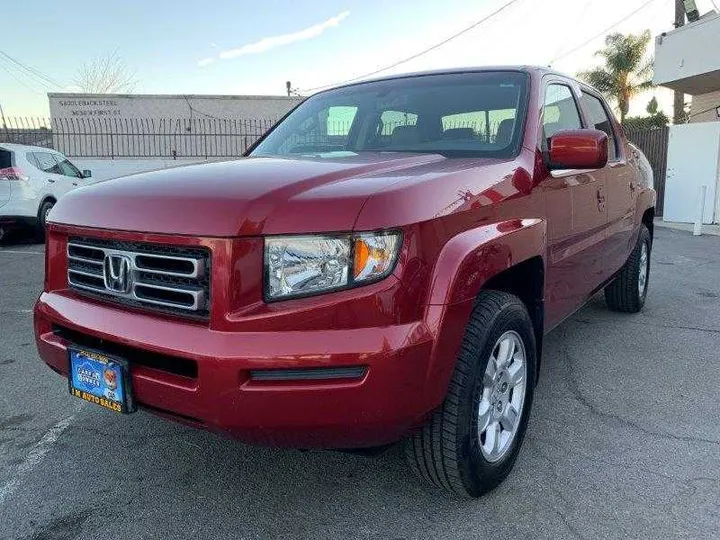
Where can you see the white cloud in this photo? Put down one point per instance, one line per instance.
(272, 42)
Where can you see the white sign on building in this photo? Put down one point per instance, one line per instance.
(154, 106)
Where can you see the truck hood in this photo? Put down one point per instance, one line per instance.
(246, 197)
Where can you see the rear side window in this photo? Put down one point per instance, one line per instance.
(389, 120)
(32, 160)
(47, 162)
(339, 121)
(493, 126)
(5, 159)
(560, 111)
(600, 120)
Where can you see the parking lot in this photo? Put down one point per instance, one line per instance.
(624, 441)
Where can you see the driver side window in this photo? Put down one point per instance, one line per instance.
(68, 169)
(560, 112)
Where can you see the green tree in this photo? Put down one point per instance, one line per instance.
(655, 119)
(626, 72)
(652, 106)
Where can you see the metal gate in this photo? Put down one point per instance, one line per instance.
(654, 144)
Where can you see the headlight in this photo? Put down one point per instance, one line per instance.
(307, 265)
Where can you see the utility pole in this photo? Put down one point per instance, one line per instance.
(679, 97)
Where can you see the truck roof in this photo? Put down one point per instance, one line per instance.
(541, 70)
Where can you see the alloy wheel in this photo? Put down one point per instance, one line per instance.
(503, 396)
(643, 269)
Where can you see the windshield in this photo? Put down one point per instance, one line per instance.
(459, 114)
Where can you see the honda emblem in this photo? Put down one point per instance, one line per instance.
(117, 273)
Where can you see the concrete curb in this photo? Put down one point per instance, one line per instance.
(713, 230)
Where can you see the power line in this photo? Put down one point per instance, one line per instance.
(19, 80)
(416, 55)
(698, 113)
(568, 53)
(581, 17)
(30, 71)
(193, 109)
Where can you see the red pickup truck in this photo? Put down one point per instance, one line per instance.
(383, 264)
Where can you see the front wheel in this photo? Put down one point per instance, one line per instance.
(470, 444)
(627, 292)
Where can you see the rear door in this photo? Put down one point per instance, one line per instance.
(575, 208)
(621, 185)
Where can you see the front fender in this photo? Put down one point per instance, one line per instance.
(472, 257)
(465, 264)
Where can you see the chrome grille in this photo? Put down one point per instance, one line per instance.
(160, 277)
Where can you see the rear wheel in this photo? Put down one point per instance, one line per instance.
(45, 208)
(627, 292)
(470, 444)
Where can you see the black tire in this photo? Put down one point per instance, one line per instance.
(623, 293)
(446, 452)
(45, 207)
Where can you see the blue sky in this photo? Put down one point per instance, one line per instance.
(311, 43)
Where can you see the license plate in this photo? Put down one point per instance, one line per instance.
(100, 379)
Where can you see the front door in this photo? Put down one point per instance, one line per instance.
(576, 213)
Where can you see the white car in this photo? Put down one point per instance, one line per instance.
(32, 179)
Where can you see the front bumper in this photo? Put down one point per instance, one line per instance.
(221, 391)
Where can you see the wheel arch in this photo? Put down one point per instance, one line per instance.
(46, 198)
(526, 280)
(648, 219)
(500, 256)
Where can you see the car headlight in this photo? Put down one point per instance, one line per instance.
(314, 264)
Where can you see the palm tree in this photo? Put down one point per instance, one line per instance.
(626, 72)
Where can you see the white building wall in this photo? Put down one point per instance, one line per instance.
(687, 58)
(147, 106)
(705, 107)
(161, 126)
(693, 161)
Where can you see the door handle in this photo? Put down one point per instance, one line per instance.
(600, 200)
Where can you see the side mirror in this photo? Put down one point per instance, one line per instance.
(578, 149)
(87, 173)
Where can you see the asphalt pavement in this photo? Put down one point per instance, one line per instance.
(623, 442)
